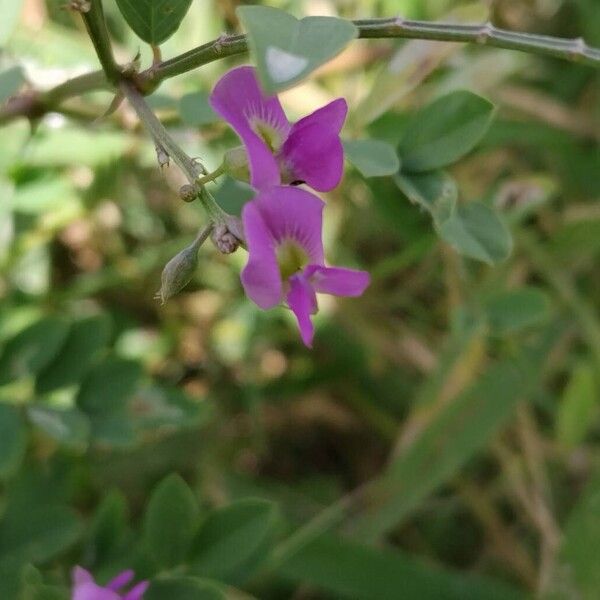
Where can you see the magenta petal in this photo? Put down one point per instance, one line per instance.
(301, 299)
(120, 580)
(80, 575)
(337, 280)
(291, 213)
(237, 98)
(260, 277)
(313, 151)
(331, 116)
(137, 592)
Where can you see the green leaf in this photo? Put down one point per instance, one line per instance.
(457, 432)
(364, 573)
(230, 537)
(578, 404)
(195, 110)
(476, 231)
(105, 396)
(109, 386)
(154, 20)
(32, 349)
(108, 529)
(372, 158)
(68, 426)
(509, 312)
(577, 574)
(444, 131)
(285, 49)
(184, 588)
(13, 440)
(86, 339)
(170, 521)
(38, 535)
(435, 191)
(10, 80)
(11, 12)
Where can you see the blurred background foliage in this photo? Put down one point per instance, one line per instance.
(441, 440)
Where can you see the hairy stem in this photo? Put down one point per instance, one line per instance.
(569, 49)
(163, 140)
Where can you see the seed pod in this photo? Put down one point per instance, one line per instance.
(178, 272)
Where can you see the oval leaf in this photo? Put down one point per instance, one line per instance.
(434, 191)
(372, 158)
(32, 349)
(476, 231)
(285, 49)
(444, 131)
(13, 440)
(170, 521)
(154, 20)
(244, 526)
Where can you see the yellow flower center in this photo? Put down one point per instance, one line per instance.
(291, 258)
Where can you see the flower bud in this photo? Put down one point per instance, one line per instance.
(178, 272)
(235, 164)
(225, 241)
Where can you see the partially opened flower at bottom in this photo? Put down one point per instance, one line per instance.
(85, 588)
(283, 227)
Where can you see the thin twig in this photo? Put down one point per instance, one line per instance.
(569, 49)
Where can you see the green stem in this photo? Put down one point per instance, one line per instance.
(95, 24)
(191, 169)
(212, 176)
(485, 34)
(569, 49)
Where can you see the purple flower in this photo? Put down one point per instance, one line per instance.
(85, 588)
(309, 151)
(283, 232)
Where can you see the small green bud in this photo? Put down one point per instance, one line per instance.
(178, 272)
(235, 163)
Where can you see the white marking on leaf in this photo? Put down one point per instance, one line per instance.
(282, 65)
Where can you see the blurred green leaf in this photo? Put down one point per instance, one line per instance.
(105, 397)
(372, 158)
(459, 430)
(32, 349)
(154, 20)
(69, 426)
(38, 535)
(435, 191)
(13, 440)
(476, 231)
(86, 338)
(245, 526)
(285, 49)
(184, 588)
(11, 79)
(109, 385)
(233, 194)
(444, 131)
(577, 406)
(107, 530)
(364, 573)
(196, 111)
(509, 312)
(11, 12)
(577, 574)
(170, 521)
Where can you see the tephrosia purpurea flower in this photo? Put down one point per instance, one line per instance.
(308, 151)
(85, 588)
(283, 228)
